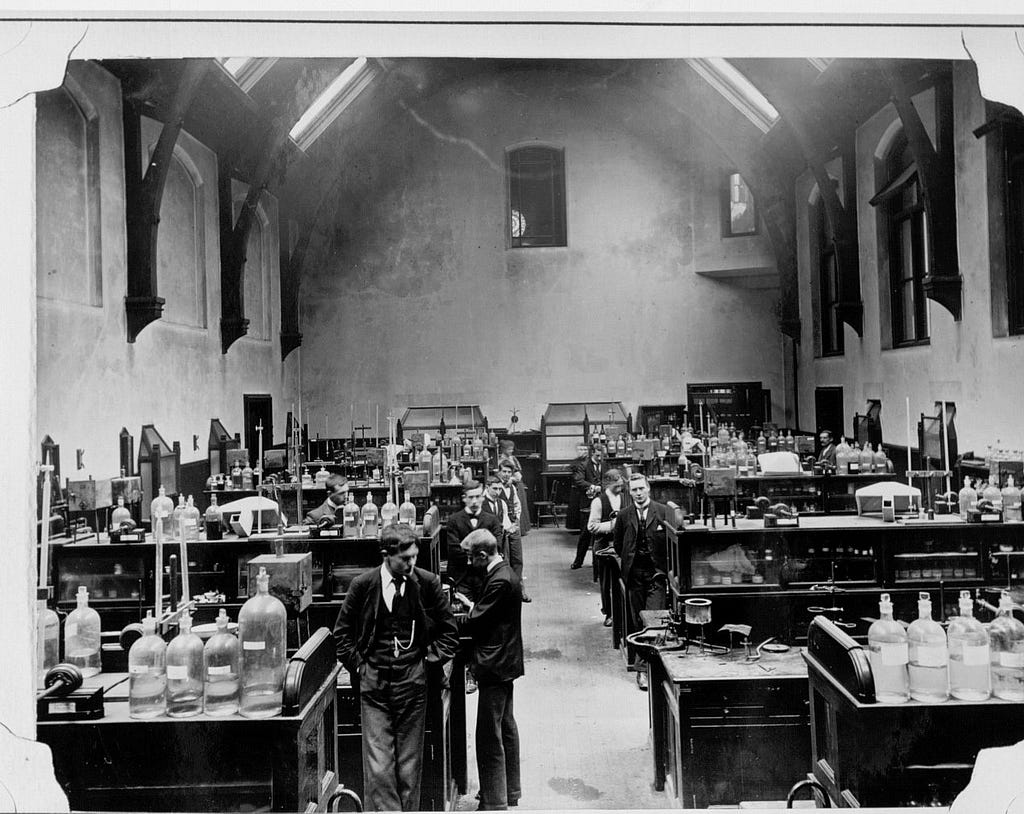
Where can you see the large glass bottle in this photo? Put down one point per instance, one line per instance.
(222, 664)
(178, 519)
(160, 514)
(82, 636)
(968, 654)
(929, 656)
(147, 673)
(407, 511)
(992, 494)
(887, 648)
(842, 457)
(879, 461)
(120, 515)
(388, 512)
(236, 475)
(247, 474)
(185, 671)
(866, 459)
(968, 498)
(47, 639)
(212, 520)
(350, 518)
(1007, 652)
(262, 630)
(192, 521)
(370, 515)
(1011, 501)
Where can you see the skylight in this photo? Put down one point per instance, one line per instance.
(738, 90)
(820, 63)
(247, 71)
(329, 104)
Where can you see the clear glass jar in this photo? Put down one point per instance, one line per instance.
(47, 640)
(929, 655)
(969, 655)
(887, 649)
(371, 516)
(82, 636)
(262, 632)
(1006, 634)
(350, 518)
(185, 671)
(147, 675)
(222, 667)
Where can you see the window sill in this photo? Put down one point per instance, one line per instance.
(920, 343)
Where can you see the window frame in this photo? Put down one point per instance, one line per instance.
(726, 199)
(556, 187)
(898, 214)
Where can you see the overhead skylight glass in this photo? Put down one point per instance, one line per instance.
(247, 71)
(738, 90)
(821, 63)
(329, 104)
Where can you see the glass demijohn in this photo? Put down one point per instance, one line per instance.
(82, 636)
(370, 515)
(147, 676)
(968, 654)
(888, 651)
(929, 672)
(1006, 634)
(185, 671)
(222, 670)
(262, 631)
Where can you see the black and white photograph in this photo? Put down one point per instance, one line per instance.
(452, 407)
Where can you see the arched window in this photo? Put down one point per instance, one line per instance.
(536, 194)
(831, 327)
(907, 245)
(256, 283)
(181, 249)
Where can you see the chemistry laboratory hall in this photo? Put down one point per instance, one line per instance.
(436, 432)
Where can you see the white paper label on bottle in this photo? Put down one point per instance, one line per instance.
(221, 670)
(61, 707)
(975, 654)
(137, 669)
(931, 656)
(177, 671)
(1011, 659)
(254, 645)
(893, 654)
(71, 629)
(989, 518)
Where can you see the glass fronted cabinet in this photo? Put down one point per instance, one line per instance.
(804, 492)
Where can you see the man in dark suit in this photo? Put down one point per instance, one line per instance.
(495, 625)
(468, 580)
(395, 621)
(639, 540)
(827, 456)
(337, 496)
(586, 482)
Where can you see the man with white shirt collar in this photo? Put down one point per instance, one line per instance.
(394, 622)
(514, 510)
(638, 537)
(603, 510)
(459, 572)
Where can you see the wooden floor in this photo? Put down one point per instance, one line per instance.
(582, 721)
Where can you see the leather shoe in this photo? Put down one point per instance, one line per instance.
(526, 598)
(576, 566)
(607, 621)
(641, 680)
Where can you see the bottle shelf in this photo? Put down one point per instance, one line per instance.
(917, 555)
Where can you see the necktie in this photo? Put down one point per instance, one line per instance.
(473, 520)
(399, 581)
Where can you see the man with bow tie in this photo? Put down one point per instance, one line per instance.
(464, 578)
(639, 540)
(394, 622)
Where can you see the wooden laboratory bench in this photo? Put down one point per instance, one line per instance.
(724, 729)
(203, 763)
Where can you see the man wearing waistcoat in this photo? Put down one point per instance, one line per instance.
(603, 510)
(394, 622)
(586, 480)
(460, 573)
(639, 540)
(514, 510)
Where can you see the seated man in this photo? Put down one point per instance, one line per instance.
(337, 496)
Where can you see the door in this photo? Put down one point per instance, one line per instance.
(257, 411)
(828, 411)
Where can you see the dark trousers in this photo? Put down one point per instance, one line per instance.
(645, 593)
(582, 547)
(514, 543)
(393, 707)
(497, 746)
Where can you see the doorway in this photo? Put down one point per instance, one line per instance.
(828, 411)
(257, 410)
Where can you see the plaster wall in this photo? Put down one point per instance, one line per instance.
(416, 298)
(91, 381)
(963, 363)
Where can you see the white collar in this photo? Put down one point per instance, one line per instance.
(387, 578)
(494, 563)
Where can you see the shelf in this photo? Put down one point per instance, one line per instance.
(915, 555)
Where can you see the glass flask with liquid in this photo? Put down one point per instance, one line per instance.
(177, 525)
(929, 655)
(350, 518)
(388, 512)
(47, 639)
(212, 520)
(1011, 501)
(160, 513)
(370, 516)
(888, 652)
(407, 511)
(968, 654)
(222, 670)
(185, 671)
(191, 518)
(147, 673)
(120, 515)
(1006, 635)
(968, 498)
(82, 636)
(262, 632)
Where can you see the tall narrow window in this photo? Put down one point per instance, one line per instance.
(828, 288)
(536, 192)
(738, 214)
(1015, 232)
(908, 262)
